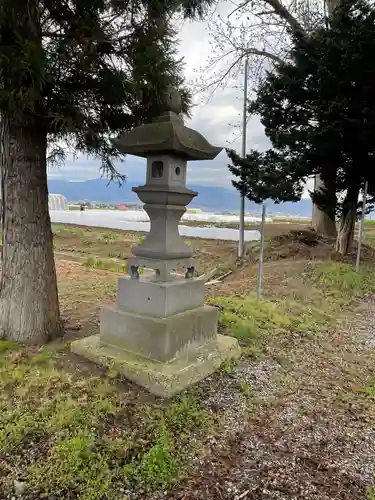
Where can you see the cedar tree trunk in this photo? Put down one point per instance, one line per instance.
(323, 221)
(29, 308)
(345, 236)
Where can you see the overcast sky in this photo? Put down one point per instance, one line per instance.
(217, 117)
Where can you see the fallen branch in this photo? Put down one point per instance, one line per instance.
(225, 275)
(219, 279)
(207, 276)
(243, 495)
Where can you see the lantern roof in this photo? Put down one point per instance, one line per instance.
(167, 134)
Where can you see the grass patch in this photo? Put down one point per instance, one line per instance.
(5, 345)
(83, 437)
(252, 322)
(112, 243)
(341, 282)
(332, 287)
(94, 263)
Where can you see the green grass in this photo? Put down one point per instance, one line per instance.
(87, 439)
(341, 283)
(75, 434)
(84, 243)
(107, 265)
(332, 287)
(94, 263)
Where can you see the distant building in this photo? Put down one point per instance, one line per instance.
(122, 207)
(57, 202)
(194, 211)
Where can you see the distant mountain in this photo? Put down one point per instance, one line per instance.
(210, 198)
(93, 190)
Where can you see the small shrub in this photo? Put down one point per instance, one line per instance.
(228, 365)
(158, 467)
(343, 282)
(246, 388)
(91, 262)
(6, 345)
(74, 465)
(15, 427)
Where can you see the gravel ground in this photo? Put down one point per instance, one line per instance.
(300, 430)
(311, 438)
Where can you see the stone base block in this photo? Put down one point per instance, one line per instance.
(161, 339)
(161, 379)
(151, 297)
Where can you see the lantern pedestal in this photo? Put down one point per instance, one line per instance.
(160, 334)
(161, 379)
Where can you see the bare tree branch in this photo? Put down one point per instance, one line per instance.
(283, 13)
(260, 30)
(263, 53)
(238, 8)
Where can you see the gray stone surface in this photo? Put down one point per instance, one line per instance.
(172, 100)
(164, 241)
(19, 487)
(173, 172)
(160, 339)
(151, 297)
(167, 134)
(162, 379)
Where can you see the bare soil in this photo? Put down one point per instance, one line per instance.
(313, 437)
(295, 418)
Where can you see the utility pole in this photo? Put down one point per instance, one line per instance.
(361, 227)
(241, 238)
(261, 252)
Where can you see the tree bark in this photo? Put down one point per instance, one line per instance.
(345, 236)
(323, 221)
(29, 308)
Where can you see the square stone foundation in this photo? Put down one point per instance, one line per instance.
(161, 379)
(159, 335)
(159, 339)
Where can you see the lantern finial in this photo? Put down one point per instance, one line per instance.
(172, 100)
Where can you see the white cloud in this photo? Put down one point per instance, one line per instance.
(219, 120)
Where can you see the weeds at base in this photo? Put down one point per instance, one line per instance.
(94, 442)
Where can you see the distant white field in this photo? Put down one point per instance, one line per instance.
(191, 215)
(137, 220)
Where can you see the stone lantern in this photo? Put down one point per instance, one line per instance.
(160, 334)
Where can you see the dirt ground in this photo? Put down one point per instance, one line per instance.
(294, 419)
(313, 438)
(84, 287)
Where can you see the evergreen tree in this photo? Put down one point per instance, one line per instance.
(319, 113)
(73, 74)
